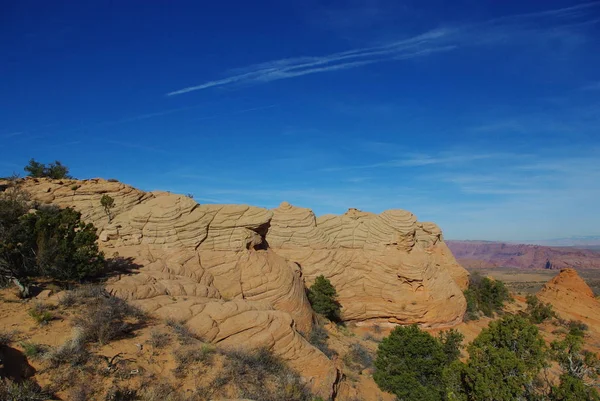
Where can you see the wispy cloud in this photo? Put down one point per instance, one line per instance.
(11, 135)
(592, 86)
(433, 41)
(416, 46)
(420, 160)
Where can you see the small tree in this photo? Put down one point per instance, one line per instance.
(323, 298)
(35, 169)
(410, 363)
(505, 361)
(538, 311)
(107, 203)
(485, 295)
(451, 341)
(48, 242)
(54, 170)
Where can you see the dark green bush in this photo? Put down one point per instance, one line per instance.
(49, 242)
(485, 295)
(451, 344)
(504, 363)
(538, 311)
(410, 363)
(323, 298)
(54, 170)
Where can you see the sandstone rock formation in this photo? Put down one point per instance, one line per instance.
(236, 274)
(572, 298)
(386, 268)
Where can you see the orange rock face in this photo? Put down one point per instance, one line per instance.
(236, 274)
(572, 298)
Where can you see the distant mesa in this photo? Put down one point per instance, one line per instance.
(487, 254)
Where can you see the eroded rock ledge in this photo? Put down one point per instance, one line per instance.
(236, 274)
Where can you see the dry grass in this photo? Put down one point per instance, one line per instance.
(72, 352)
(191, 356)
(105, 317)
(6, 338)
(159, 339)
(41, 313)
(184, 335)
(33, 350)
(257, 375)
(358, 358)
(27, 390)
(318, 338)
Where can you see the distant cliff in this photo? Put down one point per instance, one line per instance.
(482, 254)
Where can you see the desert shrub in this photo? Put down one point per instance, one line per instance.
(186, 357)
(118, 393)
(81, 294)
(484, 295)
(573, 359)
(410, 363)
(184, 334)
(106, 318)
(49, 242)
(54, 170)
(572, 388)
(159, 339)
(72, 352)
(538, 311)
(41, 314)
(262, 376)
(65, 247)
(80, 392)
(318, 337)
(107, 203)
(504, 363)
(358, 357)
(323, 298)
(34, 350)
(577, 328)
(6, 338)
(451, 341)
(27, 390)
(160, 391)
(112, 180)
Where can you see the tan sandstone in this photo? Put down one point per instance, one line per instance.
(236, 274)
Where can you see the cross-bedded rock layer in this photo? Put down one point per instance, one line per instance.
(236, 274)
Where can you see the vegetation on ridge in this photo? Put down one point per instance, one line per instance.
(54, 170)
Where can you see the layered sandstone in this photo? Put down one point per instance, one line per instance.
(385, 268)
(572, 298)
(236, 274)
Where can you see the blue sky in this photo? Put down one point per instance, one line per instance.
(483, 116)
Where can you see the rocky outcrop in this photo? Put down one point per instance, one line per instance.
(572, 298)
(236, 274)
(386, 268)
